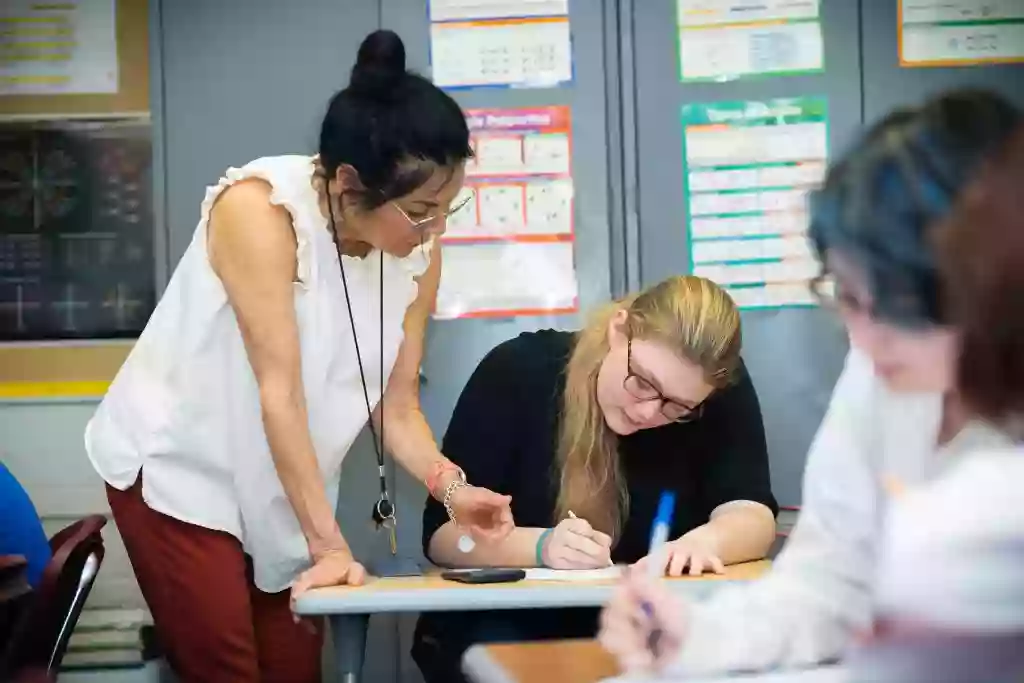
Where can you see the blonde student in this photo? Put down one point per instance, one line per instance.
(584, 430)
(893, 421)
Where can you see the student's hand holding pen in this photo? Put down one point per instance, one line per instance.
(644, 625)
(574, 544)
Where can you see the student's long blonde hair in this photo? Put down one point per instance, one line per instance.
(688, 314)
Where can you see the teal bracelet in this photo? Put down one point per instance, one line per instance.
(540, 546)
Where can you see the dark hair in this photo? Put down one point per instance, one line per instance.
(981, 248)
(394, 127)
(880, 201)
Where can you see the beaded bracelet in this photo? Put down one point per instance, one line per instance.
(438, 470)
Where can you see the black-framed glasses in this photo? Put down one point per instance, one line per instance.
(643, 389)
(419, 223)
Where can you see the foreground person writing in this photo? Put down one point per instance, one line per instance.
(895, 418)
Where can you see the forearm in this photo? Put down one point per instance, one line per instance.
(409, 439)
(740, 531)
(519, 549)
(291, 447)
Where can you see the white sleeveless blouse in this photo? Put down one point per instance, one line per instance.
(185, 406)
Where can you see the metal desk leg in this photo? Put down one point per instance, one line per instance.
(348, 631)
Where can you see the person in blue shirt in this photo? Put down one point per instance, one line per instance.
(21, 531)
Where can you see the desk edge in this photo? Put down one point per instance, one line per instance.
(478, 664)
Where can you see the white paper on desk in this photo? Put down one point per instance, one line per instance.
(605, 574)
(824, 674)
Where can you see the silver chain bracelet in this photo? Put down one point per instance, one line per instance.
(465, 543)
(449, 491)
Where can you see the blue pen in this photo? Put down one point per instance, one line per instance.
(660, 529)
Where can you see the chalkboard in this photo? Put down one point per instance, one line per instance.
(76, 230)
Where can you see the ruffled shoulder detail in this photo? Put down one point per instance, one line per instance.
(289, 177)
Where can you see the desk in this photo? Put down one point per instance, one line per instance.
(349, 608)
(584, 661)
(565, 661)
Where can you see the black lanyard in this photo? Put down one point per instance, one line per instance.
(383, 509)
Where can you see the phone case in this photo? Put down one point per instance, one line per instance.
(484, 575)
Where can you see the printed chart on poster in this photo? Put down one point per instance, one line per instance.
(76, 254)
(500, 43)
(509, 250)
(721, 40)
(960, 32)
(58, 48)
(749, 166)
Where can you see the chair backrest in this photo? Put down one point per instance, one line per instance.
(15, 593)
(41, 639)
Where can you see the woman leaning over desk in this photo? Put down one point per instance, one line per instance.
(300, 302)
(585, 430)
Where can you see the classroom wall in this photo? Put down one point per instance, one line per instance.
(244, 78)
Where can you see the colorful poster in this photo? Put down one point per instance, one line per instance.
(749, 166)
(722, 40)
(522, 51)
(509, 250)
(960, 32)
(58, 48)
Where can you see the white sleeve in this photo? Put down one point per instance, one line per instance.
(965, 533)
(818, 591)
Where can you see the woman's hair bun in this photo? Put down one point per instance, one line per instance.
(380, 65)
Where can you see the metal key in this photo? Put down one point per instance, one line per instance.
(391, 525)
(384, 516)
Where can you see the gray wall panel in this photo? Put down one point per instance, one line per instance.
(794, 356)
(888, 85)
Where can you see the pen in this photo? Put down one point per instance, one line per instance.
(660, 529)
(572, 515)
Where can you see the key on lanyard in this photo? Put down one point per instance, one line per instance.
(384, 515)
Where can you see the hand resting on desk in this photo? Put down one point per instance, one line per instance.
(693, 553)
(331, 568)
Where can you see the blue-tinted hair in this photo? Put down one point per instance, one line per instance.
(880, 201)
(393, 126)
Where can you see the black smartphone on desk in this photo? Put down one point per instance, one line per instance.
(487, 575)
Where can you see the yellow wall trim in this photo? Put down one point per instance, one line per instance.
(23, 390)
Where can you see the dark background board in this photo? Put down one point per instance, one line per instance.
(76, 230)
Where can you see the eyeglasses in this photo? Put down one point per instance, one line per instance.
(830, 294)
(904, 312)
(419, 223)
(643, 390)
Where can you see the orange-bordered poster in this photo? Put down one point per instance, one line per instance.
(509, 250)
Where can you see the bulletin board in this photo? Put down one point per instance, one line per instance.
(89, 261)
(132, 96)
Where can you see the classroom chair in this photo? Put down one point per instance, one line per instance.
(40, 639)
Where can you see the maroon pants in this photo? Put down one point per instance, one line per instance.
(212, 622)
